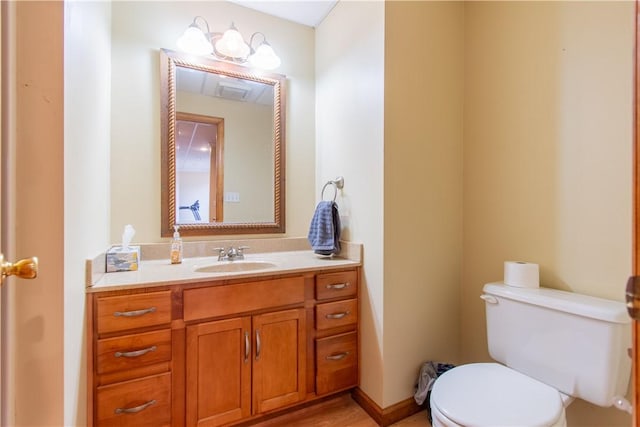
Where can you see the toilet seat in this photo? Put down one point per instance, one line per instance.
(490, 394)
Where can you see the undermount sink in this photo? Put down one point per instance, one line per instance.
(234, 266)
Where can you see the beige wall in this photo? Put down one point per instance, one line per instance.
(423, 122)
(139, 30)
(349, 143)
(547, 154)
(86, 113)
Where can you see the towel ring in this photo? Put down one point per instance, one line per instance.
(338, 183)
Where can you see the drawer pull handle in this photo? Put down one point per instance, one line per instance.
(337, 315)
(136, 409)
(338, 356)
(338, 286)
(134, 313)
(136, 353)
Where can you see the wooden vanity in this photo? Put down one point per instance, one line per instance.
(221, 351)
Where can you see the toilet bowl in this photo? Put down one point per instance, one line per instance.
(492, 395)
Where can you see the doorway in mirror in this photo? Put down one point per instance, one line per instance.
(199, 168)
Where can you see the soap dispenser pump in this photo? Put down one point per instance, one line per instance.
(176, 247)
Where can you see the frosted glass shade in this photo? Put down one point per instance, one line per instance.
(264, 57)
(232, 44)
(194, 41)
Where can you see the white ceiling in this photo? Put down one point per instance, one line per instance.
(305, 12)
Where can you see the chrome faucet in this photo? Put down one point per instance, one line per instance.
(231, 253)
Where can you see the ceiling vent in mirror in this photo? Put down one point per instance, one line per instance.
(228, 46)
(229, 90)
(221, 86)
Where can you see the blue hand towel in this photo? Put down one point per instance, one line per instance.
(324, 232)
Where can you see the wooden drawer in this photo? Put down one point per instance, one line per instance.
(334, 314)
(133, 351)
(224, 300)
(136, 403)
(337, 362)
(336, 285)
(125, 312)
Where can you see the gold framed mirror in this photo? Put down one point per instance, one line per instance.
(223, 147)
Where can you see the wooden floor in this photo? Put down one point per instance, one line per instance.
(342, 411)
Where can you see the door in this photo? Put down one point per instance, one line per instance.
(218, 385)
(279, 365)
(31, 211)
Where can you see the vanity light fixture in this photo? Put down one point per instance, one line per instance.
(228, 46)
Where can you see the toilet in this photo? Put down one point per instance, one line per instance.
(551, 347)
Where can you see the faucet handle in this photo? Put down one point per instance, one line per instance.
(221, 253)
(241, 251)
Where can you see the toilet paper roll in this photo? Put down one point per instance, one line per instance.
(521, 274)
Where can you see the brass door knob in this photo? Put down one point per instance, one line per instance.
(632, 297)
(25, 268)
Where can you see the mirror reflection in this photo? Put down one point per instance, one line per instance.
(224, 143)
(199, 168)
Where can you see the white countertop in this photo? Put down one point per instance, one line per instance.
(159, 272)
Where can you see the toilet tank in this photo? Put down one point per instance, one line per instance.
(575, 343)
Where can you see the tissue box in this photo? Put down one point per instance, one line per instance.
(119, 259)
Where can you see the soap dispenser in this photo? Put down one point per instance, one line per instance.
(176, 247)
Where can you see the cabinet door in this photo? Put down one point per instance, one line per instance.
(218, 385)
(279, 359)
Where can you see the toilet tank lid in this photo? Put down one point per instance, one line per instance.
(569, 302)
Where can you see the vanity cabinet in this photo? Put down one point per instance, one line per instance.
(221, 352)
